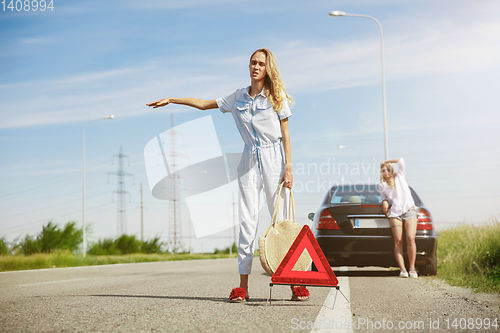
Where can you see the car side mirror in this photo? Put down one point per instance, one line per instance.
(310, 216)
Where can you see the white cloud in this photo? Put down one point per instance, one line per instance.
(440, 49)
(421, 48)
(70, 82)
(34, 41)
(172, 4)
(123, 92)
(436, 49)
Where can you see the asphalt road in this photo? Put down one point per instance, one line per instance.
(191, 296)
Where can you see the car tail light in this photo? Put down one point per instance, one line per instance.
(326, 221)
(424, 221)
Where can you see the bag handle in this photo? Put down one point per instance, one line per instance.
(291, 205)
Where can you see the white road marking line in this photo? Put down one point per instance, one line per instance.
(338, 319)
(48, 282)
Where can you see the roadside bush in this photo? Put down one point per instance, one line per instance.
(51, 238)
(4, 247)
(226, 250)
(103, 247)
(151, 246)
(470, 255)
(127, 244)
(28, 246)
(489, 259)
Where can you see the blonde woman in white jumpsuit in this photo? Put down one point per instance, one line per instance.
(261, 113)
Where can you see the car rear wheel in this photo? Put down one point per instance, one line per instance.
(429, 269)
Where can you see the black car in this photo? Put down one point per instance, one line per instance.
(352, 230)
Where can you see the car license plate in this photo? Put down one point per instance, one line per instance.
(371, 223)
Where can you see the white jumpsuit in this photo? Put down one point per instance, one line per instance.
(262, 163)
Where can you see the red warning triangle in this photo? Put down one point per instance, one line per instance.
(323, 277)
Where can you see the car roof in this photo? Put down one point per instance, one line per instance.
(368, 187)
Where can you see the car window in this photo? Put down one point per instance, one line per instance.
(355, 196)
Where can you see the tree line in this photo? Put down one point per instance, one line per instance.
(70, 238)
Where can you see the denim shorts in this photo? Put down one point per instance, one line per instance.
(410, 214)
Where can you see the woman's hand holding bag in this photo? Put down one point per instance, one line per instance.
(277, 239)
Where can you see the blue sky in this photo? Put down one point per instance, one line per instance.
(88, 59)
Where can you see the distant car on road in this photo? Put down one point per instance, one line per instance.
(352, 230)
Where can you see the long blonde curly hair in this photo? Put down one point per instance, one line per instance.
(390, 168)
(274, 87)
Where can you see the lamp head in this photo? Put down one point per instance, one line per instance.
(341, 147)
(109, 117)
(336, 13)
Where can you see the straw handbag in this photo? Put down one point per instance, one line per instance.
(277, 239)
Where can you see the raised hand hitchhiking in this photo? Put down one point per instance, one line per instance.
(160, 102)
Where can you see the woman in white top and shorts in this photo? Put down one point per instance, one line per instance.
(261, 113)
(393, 186)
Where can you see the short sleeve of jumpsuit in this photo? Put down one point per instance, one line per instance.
(261, 166)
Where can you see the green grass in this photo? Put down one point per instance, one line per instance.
(66, 259)
(469, 256)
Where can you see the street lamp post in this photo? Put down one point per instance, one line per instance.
(83, 204)
(336, 14)
(360, 158)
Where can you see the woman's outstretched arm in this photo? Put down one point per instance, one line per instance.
(201, 104)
